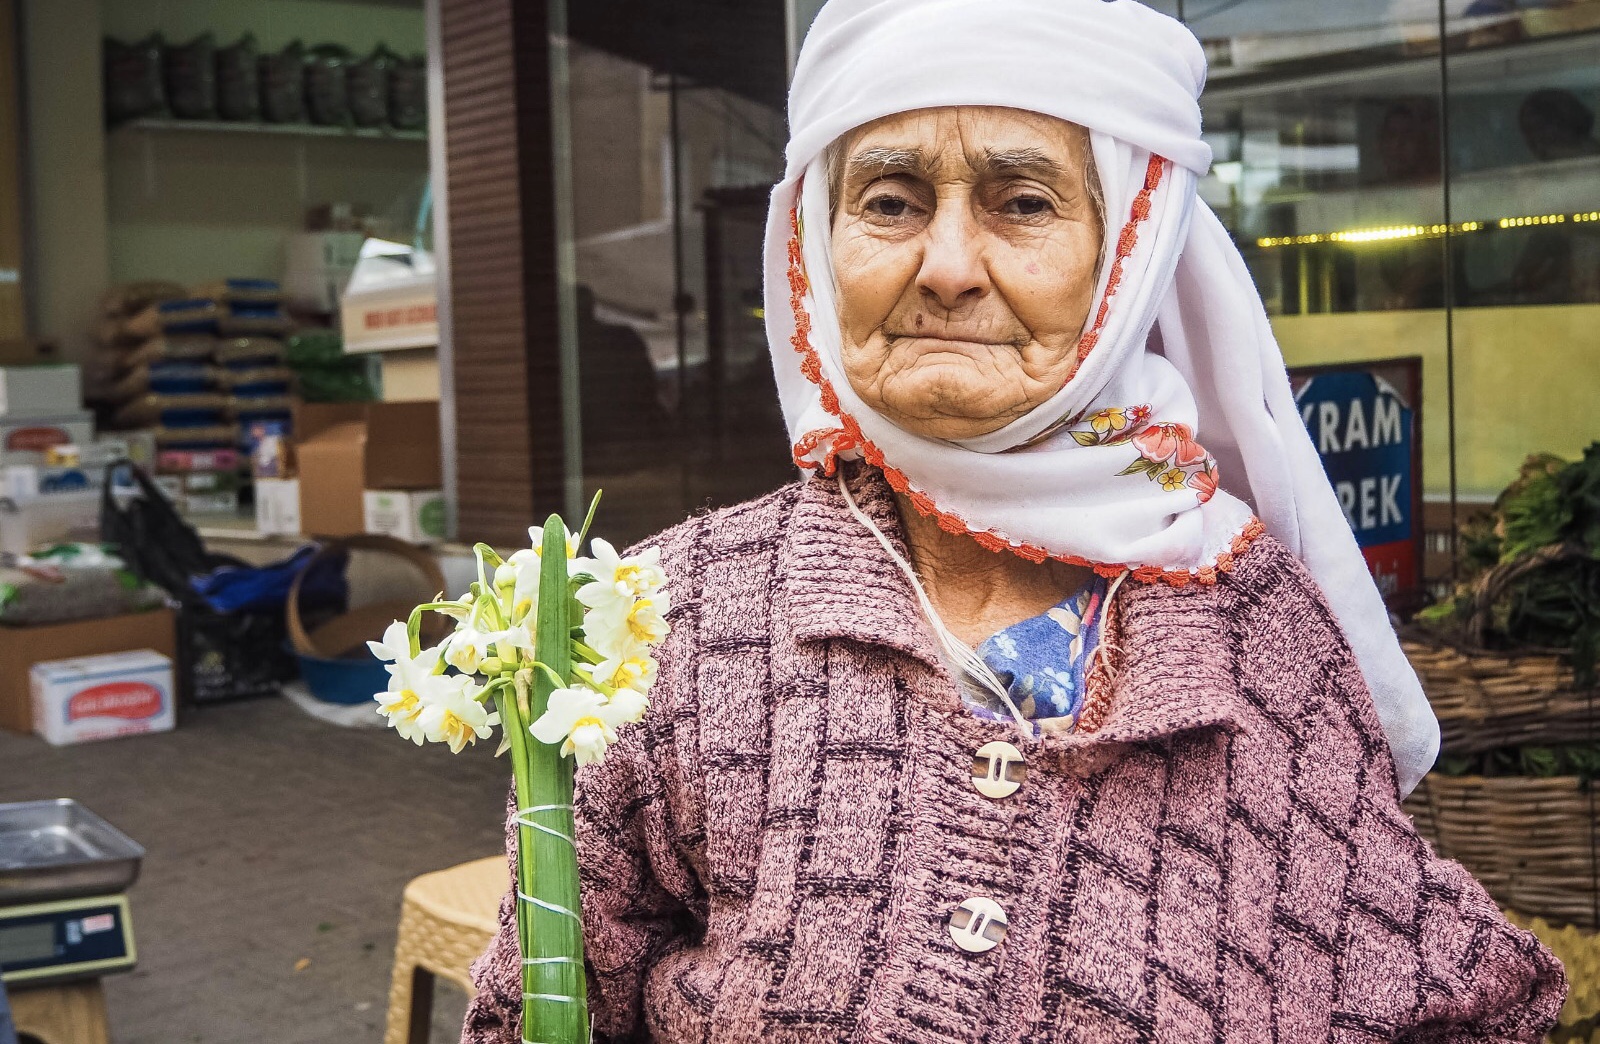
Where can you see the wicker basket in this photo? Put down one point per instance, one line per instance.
(1486, 700)
(1531, 842)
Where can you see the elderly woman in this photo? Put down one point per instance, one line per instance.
(1028, 717)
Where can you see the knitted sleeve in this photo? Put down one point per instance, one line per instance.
(1420, 951)
(1493, 982)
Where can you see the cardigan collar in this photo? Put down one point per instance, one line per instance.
(839, 582)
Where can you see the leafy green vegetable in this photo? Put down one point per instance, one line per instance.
(1550, 599)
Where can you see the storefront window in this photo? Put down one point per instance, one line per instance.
(1405, 179)
(673, 152)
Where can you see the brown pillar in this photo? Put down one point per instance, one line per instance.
(503, 288)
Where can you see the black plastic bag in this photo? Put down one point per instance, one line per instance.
(192, 79)
(134, 84)
(239, 81)
(283, 85)
(221, 656)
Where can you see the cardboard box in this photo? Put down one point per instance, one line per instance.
(416, 516)
(22, 647)
(342, 449)
(103, 697)
(24, 440)
(40, 391)
(278, 507)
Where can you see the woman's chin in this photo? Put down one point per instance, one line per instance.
(949, 415)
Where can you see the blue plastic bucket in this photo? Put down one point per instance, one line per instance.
(343, 681)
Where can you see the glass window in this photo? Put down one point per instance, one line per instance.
(1524, 178)
(1327, 126)
(673, 149)
(1417, 178)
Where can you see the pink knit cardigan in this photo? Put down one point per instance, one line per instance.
(776, 854)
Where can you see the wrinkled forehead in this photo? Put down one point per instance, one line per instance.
(962, 142)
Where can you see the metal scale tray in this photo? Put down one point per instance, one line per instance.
(60, 850)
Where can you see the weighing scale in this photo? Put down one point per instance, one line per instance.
(63, 914)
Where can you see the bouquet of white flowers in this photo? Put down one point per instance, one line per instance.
(554, 649)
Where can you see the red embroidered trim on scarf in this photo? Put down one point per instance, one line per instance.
(849, 435)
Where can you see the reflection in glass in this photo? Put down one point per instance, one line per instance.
(669, 178)
(1525, 186)
(1327, 124)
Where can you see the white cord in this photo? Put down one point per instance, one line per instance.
(524, 817)
(959, 652)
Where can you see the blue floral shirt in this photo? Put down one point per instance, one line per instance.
(1044, 662)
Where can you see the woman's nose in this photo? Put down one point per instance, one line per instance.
(953, 273)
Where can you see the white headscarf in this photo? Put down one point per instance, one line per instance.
(1111, 472)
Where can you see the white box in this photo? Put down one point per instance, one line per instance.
(101, 697)
(317, 265)
(24, 440)
(29, 524)
(278, 507)
(40, 391)
(27, 481)
(416, 516)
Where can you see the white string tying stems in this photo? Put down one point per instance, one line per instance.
(524, 817)
(552, 907)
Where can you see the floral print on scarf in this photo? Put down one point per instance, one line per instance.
(1168, 453)
(1044, 662)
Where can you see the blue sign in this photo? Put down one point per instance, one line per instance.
(1363, 420)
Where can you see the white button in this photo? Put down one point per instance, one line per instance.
(998, 770)
(978, 925)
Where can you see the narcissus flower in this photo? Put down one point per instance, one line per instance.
(637, 672)
(616, 577)
(582, 721)
(451, 713)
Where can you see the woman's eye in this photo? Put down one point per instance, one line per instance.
(1028, 206)
(889, 207)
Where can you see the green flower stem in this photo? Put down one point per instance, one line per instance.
(555, 1004)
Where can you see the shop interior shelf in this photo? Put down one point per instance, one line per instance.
(302, 130)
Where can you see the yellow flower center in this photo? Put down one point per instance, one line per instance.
(627, 671)
(590, 720)
(640, 622)
(405, 701)
(457, 733)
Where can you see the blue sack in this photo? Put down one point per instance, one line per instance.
(234, 589)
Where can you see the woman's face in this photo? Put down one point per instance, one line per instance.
(965, 245)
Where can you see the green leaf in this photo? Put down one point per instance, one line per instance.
(1141, 467)
(547, 866)
(1085, 438)
(414, 632)
(588, 520)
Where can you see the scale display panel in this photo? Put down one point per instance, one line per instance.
(67, 939)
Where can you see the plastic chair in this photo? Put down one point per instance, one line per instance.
(447, 919)
(73, 1013)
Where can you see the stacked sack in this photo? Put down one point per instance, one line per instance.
(325, 84)
(200, 372)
